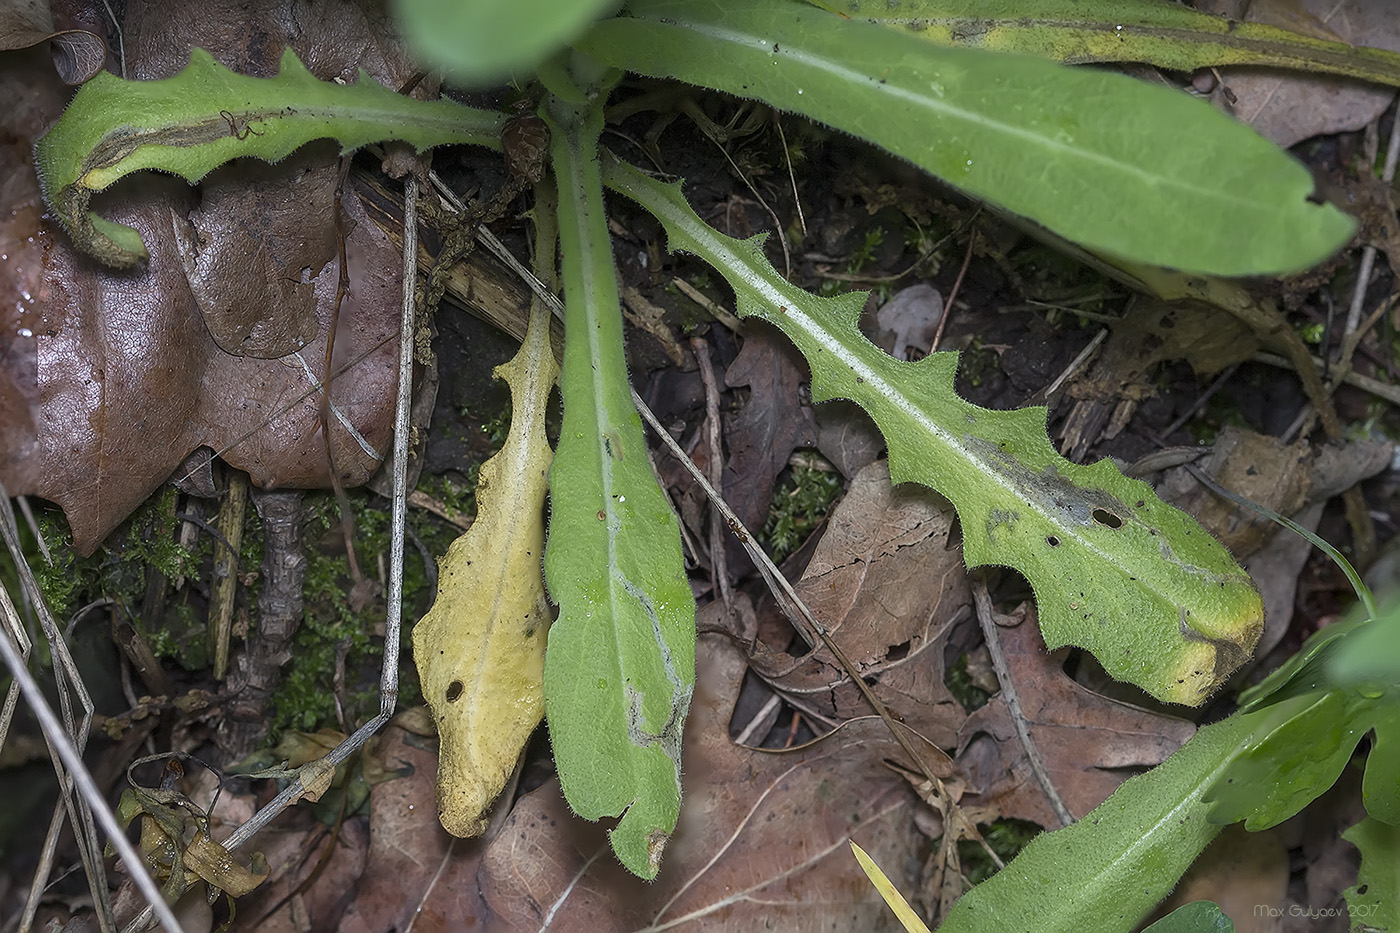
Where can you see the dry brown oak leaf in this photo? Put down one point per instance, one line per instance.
(764, 433)
(888, 585)
(77, 51)
(112, 378)
(762, 841)
(1090, 744)
(391, 870)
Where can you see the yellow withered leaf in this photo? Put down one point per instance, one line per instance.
(480, 649)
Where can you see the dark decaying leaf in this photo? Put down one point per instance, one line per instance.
(764, 433)
(123, 374)
(257, 247)
(78, 54)
(1090, 744)
(762, 842)
(886, 583)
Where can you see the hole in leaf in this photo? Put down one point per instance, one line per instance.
(454, 691)
(1053, 541)
(898, 652)
(1105, 517)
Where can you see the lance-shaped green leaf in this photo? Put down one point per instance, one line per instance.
(1127, 169)
(1303, 758)
(205, 116)
(1167, 35)
(1116, 571)
(1106, 872)
(620, 666)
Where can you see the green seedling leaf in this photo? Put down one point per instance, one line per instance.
(1370, 655)
(1380, 785)
(480, 649)
(1106, 872)
(484, 41)
(620, 668)
(1346, 676)
(1305, 672)
(1116, 571)
(1195, 917)
(1126, 169)
(1082, 31)
(1299, 761)
(207, 115)
(1374, 901)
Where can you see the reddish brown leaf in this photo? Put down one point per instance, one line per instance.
(885, 583)
(1089, 743)
(764, 433)
(416, 872)
(22, 248)
(762, 842)
(123, 376)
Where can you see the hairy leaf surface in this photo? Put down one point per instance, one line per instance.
(620, 668)
(207, 115)
(1195, 917)
(1124, 168)
(1116, 571)
(1080, 31)
(1107, 871)
(480, 649)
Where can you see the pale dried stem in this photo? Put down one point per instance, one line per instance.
(66, 739)
(719, 563)
(389, 674)
(1368, 255)
(1013, 703)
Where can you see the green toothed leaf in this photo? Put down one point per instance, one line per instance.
(1116, 571)
(207, 115)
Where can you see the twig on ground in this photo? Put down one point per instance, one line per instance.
(225, 572)
(1368, 257)
(699, 297)
(1013, 704)
(61, 737)
(1381, 390)
(1076, 365)
(953, 292)
(1201, 400)
(792, 175)
(719, 563)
